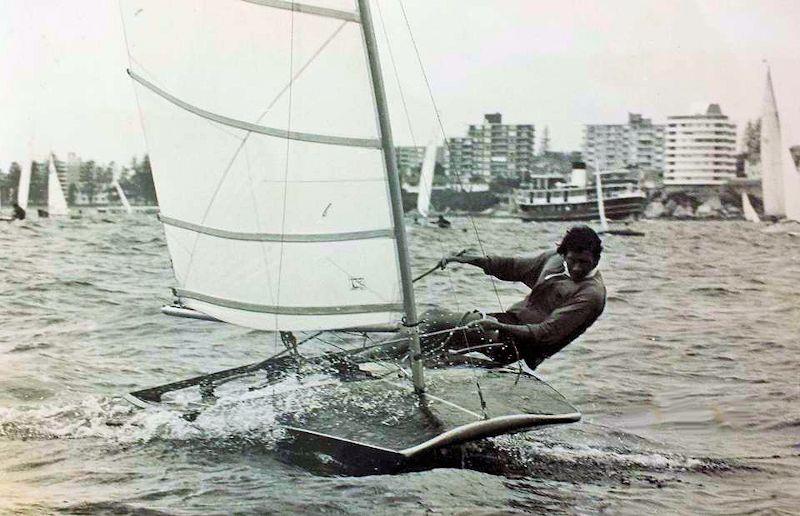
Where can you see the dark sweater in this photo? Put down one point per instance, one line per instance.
(558, 309)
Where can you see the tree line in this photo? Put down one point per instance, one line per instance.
(93, 179)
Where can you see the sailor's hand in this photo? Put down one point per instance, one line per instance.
(448, 259)
(487, 324)
(457, 258)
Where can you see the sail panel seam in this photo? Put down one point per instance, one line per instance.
(308, 9)
(276, 237)
(290, 310)
(247, 126)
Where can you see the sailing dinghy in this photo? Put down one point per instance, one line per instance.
(426, 189)
(56, 203)
(280, 199)
(748, 211)
(604, 227)
(780, 179)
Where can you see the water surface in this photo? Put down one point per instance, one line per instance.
(689, 382)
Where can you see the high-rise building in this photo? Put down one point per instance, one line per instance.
(409, 158)
(492, 150)
(639, 144)
(700, 149)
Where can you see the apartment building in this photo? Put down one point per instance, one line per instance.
(639, 144)
(492, 150)
(700, 149)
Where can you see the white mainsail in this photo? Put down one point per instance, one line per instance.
(268, 167)
(780, 179)
(749, 212)
(426, 180)
(23, 190)
(791, 187)
(600, 204)
(771, 154)
(56, 203)
(116, 173)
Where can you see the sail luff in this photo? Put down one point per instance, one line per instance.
(426, 180)
(771, 155)
(395, 193)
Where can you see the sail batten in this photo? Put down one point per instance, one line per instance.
(290, 310)
(277, 237)
(247, 126)
(308, 9)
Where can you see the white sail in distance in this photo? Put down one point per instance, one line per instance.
(122, 198)
(771, 154)
(23, 190)
(749, 212)
(426, 180)
(56, 203)
(601, 209)
(116, 173)
(268, 167)
(791, 187)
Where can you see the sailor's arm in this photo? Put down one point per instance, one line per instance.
(504, 268)
(550, 335)
(477, 261)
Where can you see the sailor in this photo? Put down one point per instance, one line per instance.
(567, 295)
(19, 212)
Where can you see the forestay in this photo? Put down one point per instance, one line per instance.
(261, 126)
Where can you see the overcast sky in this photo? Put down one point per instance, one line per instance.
(557, 64)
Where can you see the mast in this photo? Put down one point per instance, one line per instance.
(409, 307)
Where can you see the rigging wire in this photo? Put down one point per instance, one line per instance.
(444, 138)
(286, 162)
(457, 172)
(410, 127)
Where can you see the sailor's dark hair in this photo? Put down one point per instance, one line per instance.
(581, 238)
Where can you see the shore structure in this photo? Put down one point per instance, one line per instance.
(550, 198)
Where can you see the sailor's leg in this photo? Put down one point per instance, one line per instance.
(430, 321)
(434, 336)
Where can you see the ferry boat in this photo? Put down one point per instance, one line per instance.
(550, 198)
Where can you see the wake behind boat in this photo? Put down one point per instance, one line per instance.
(283, 213)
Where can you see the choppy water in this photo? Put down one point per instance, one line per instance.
(689, 383)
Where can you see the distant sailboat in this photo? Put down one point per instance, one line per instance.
(426, 181)
(56, 203)
(122, 198)
(23, 191)
(120, 192)
(604, 228)
(426, 188)
(749, 212)
(780, 180)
